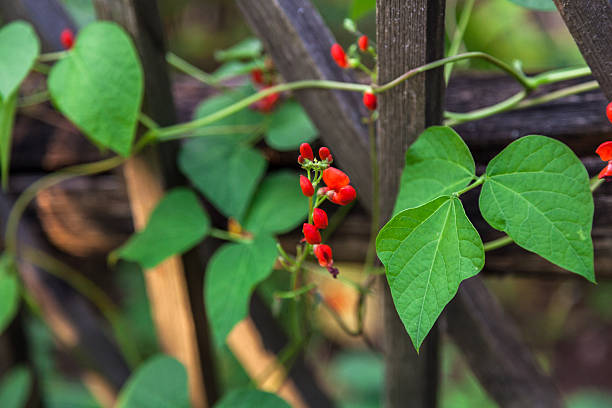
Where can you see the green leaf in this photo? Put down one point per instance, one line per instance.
(19, 48)
(427, 251)
(15, 388)
(541, 5)
(7, 117)
(225, 172)
(99, 86)
(9, 291)
(176, 224)
(289, 127)
(234, 68)
(159, 383)
(278, 206)
(537, 191)
(251, 398)
(360, 8)
(438, 163)
(245, 49)
(231, 275)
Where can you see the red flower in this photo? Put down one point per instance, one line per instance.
(306, 186)
(609, 111)
(311, 234)
(344, 195)
(325, 154)
(363, 43)
(334, 178)
(339, 55)
(324, 255)
(306, 151)
(319, 218)
(257, 76)
(606, 172)
(301, 159)
(267, 103)
(605, 152)
(67, 38)
(370, 100)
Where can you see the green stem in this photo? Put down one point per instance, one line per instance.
(147, 121)
(45, 182)
(455, 118)
(192, 70)
(558, 94)
(93, 293)
(498, 243)
(52, 56)
(475, 184)
(560, 75)
(292, 294)
(33, 99)
(458, 36)
(228, 236)
(41, 68)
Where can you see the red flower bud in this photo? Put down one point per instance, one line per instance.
(324, 154)
(306, 151)
(606, 172)
(301, 159)
(306, 186)
(344, 196)
(363, 43)
(257, 76)
(605, 151)
(339, 55)
(319, 218)
(324, 255)
(311, 234)
(67, 38)
(369, 100)
(609, 111)
(334, 178)
(267, 103)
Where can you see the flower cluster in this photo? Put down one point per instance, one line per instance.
(337, 189)
(264, 78)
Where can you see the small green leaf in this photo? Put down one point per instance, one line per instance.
(279, 205)
(225, 172)
(541, 5)
(289, 127)
(99, 86)
(19, 48)
(251, 398)
(160, 382)
(231, 275)
(537, 191)
(245, 49)
(15, 388)
(427, 251)
(438, 163)
(9, 291)
(231, 69)
(176, 224)
(7, 117)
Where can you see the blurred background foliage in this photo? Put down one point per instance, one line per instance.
(568, 323)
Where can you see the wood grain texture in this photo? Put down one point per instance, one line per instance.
(298, 41)
(590, 23)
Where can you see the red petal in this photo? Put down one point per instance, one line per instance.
(335, 178)
(312, 235)
(319, 218)
(344, 196)
(605, 151)
(363, 43)
(337, 53)
(324, 255)
(306, 186)
(606, 171)
(306, 151)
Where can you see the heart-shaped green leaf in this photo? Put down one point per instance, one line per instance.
(19, 48)
(289, 127)
(161, 382)
(231, 275)
(427, 251)
(176, 224)
(541, 5)
(278, 206)
(537, 191)
(225, 172)
(15, 388)
(99, 86)
(251, 398)
(438, 163)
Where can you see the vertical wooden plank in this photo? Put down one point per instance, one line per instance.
(146, 176)
(590, 23)
(409, 34)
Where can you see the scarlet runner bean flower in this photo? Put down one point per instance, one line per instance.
(257, 76)
(311, 234)
(605, 152)
(363, 43)
(319, 218)
(67, 38)
(338, 54)
(324, 154)
(266, 104)
(324, 256)
(609, 111)
(370, 100)
(306, 186)
(306, 151)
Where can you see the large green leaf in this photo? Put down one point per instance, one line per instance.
(7, 117)
(427, 251)
(225, 172)
(9, 291)
(15, 388)
(99, 86)
(537, 191)
(438, 163)
(176, 224)
(231, 275)
(19, 48)
(161, 382)
(542, 5)
(251, 398)
(278, 206)
(289, 127)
